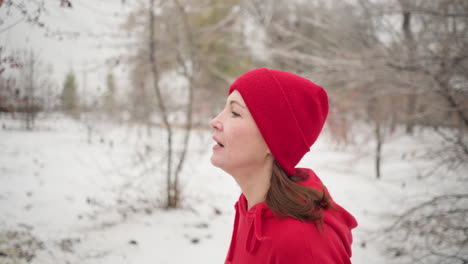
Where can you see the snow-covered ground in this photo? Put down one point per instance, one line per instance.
(63, 200)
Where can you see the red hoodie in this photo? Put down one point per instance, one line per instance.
(261, 237)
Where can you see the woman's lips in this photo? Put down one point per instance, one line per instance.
(217, 147)
(219, 144)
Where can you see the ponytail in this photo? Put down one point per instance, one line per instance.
(286, 198)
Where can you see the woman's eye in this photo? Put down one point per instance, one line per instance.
(235, 114)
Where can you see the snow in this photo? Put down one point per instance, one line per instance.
(98, 202)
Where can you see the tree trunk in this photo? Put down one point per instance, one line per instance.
(411, 111)
(378, 149)
(170, 203)
(189, 110)
(30, 93)
(374, 116)
(410, 49)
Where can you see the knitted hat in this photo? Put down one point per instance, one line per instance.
(288, 109)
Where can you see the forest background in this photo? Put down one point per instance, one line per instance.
(392, 69)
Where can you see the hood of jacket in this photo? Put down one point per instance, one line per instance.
(249, 224)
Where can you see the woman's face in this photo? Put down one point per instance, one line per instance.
(238, 142)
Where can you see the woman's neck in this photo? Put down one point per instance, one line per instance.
(255, 183)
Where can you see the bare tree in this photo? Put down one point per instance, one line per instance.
(15, 12)
(441, 66)
(8, 61)
(171, 200)
(189, 41)
(35, 84)
(432, 75)
(434, 231)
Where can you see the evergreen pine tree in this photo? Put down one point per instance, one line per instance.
(109, 99)
(69, 95)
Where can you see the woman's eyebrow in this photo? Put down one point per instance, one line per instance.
(235, 102)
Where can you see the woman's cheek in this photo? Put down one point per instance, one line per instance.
(240, 135)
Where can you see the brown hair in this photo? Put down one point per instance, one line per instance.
(286, 198)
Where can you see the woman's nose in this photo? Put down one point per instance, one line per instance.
(216, 123)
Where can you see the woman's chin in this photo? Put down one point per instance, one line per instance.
(214, 161)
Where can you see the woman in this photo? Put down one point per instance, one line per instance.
(284, 214)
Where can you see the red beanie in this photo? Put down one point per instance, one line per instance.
(288, 109)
